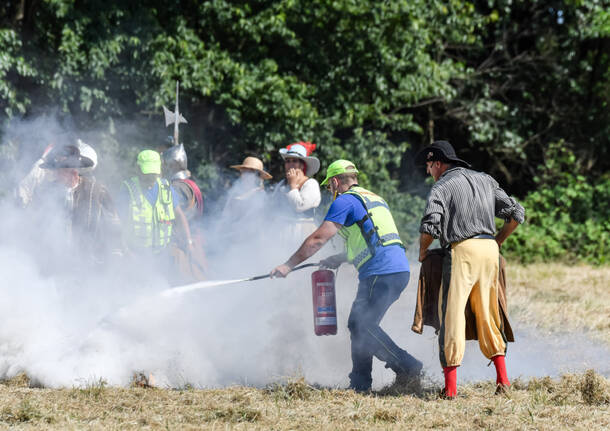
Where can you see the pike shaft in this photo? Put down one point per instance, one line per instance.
(177, 113)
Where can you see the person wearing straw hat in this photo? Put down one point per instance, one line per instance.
(150, 211)
(298, 195)
(250, 184)
(460, 211)
(253, 166)
(246, 199)
(92, 223)
(374, 247)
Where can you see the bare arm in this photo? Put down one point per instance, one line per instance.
(424, 242)
(310, 246)
(508, 228)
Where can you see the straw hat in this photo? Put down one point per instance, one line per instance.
(301, 151)
(254, 164)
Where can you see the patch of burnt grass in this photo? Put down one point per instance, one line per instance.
(594, 389)
(296, 389)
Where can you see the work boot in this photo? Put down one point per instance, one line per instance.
(360, 383)
(408, 369)
(407, 377)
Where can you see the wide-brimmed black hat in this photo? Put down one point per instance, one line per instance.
(67, 156)
(441, 151)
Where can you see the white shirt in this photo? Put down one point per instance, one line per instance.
(305, 198)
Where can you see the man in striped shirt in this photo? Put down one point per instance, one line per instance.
(460, 212)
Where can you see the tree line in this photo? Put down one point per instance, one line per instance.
(517, 86)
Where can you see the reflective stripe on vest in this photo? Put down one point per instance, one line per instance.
(151, 226)
(359, 243)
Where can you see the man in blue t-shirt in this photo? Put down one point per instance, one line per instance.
(373, 245)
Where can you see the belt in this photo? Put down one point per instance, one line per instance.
(482, 236)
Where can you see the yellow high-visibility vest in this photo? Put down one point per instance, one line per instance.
(359, 243)
(151, 226)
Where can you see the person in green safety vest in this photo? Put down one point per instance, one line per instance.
(374, 247)
(149, 210)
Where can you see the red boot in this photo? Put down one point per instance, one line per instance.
(450, 390)
(502, 382)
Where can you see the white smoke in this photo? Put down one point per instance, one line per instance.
(66, 321)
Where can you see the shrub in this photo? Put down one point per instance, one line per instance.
(567, 216)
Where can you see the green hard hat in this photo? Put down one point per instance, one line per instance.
(339, 167)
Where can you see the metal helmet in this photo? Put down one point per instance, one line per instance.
(175, 162)
(87, 150)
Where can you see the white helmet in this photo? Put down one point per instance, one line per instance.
(87, 151)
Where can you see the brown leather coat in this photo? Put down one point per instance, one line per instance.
(426, 308)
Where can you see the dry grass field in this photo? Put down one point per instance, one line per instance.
(557, 297)
(573, 402)
(552, 296)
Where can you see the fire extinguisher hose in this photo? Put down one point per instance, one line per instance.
(296, 268)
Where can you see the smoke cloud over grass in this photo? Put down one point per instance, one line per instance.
(68, 320)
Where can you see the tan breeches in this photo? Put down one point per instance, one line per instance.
(474, 276)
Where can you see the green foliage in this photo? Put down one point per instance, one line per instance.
(13, 66)
(368, 80)
(537, 74)
(567, 216)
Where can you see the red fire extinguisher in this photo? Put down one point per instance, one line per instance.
(324, 303)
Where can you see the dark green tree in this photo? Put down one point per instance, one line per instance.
(372, 81)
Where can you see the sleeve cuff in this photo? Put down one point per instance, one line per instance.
(430, 229)
(516, 212)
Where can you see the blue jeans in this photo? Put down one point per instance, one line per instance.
(374, 297)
